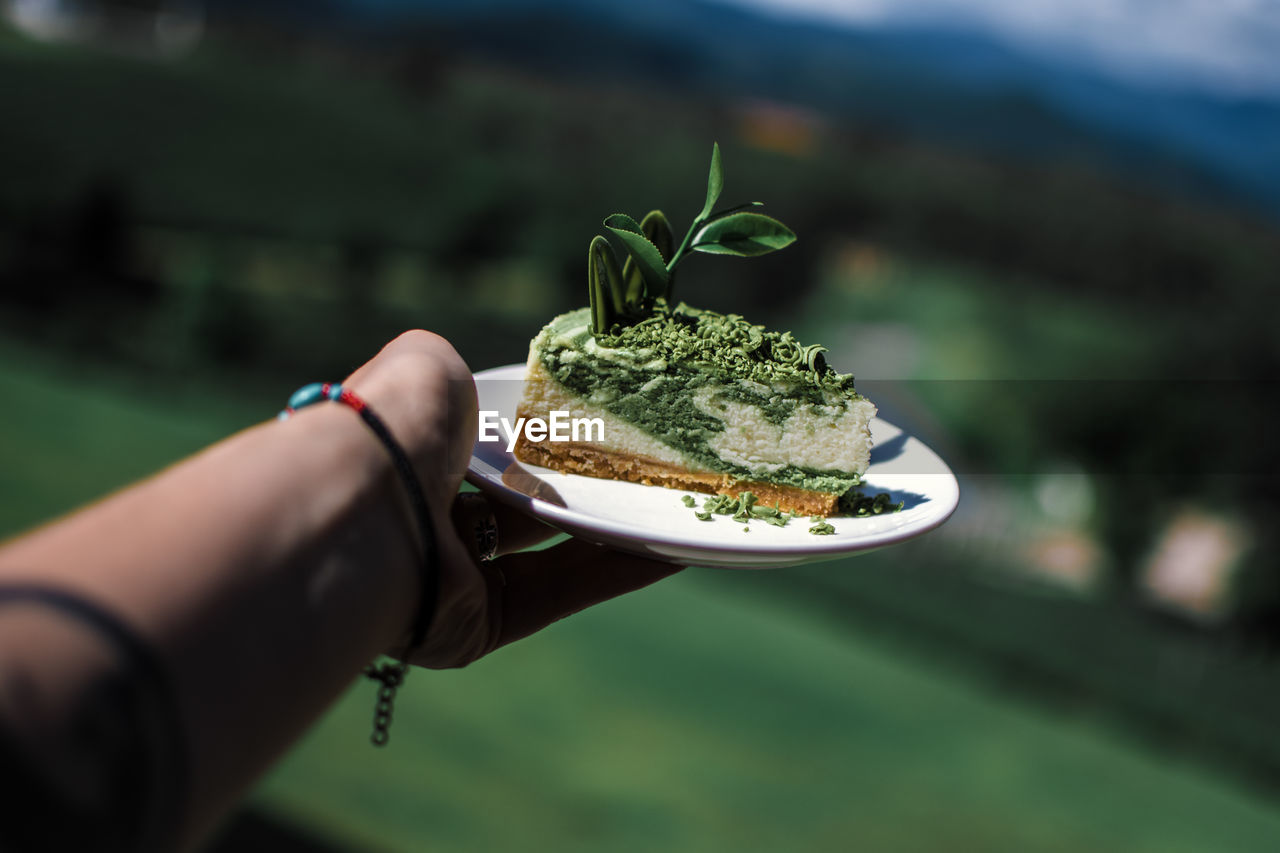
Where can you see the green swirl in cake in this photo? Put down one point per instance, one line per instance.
(711, 392)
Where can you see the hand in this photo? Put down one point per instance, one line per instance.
(423, 390)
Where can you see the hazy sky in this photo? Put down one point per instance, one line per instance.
(1225, 45)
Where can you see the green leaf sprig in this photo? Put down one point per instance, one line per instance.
(627, 294)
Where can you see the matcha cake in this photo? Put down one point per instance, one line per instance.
(688, 398)
(701, 401)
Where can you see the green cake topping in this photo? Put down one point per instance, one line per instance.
(727, 343)
(744, 508)
(632, 308)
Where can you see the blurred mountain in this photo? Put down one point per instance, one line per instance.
(956, 86)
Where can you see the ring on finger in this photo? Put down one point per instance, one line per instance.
(481, 524)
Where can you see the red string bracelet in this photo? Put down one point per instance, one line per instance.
(389, 675)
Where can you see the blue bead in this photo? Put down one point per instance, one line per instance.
(306, 395)
(335, 391)
(283, 416)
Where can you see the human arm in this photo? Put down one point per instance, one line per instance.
(267, 570)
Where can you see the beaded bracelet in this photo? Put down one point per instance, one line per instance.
(389, 675)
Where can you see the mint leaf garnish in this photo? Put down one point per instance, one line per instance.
(626, 294)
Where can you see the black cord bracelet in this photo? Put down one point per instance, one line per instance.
(390, 675)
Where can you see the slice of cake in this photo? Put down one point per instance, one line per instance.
(686, 398)
(699, 401)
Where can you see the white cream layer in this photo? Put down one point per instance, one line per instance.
(817, 437)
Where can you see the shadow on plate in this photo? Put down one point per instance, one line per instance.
(910, 500)
(517, 478)
(891, 449)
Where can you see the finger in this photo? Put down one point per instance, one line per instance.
(476, 525)
(518, 530)
(492, 529)
(542, 587)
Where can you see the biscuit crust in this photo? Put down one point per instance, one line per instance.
(591, 461)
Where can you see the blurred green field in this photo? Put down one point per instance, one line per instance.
(690, 716)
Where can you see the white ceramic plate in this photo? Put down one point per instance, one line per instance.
(652, 520)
